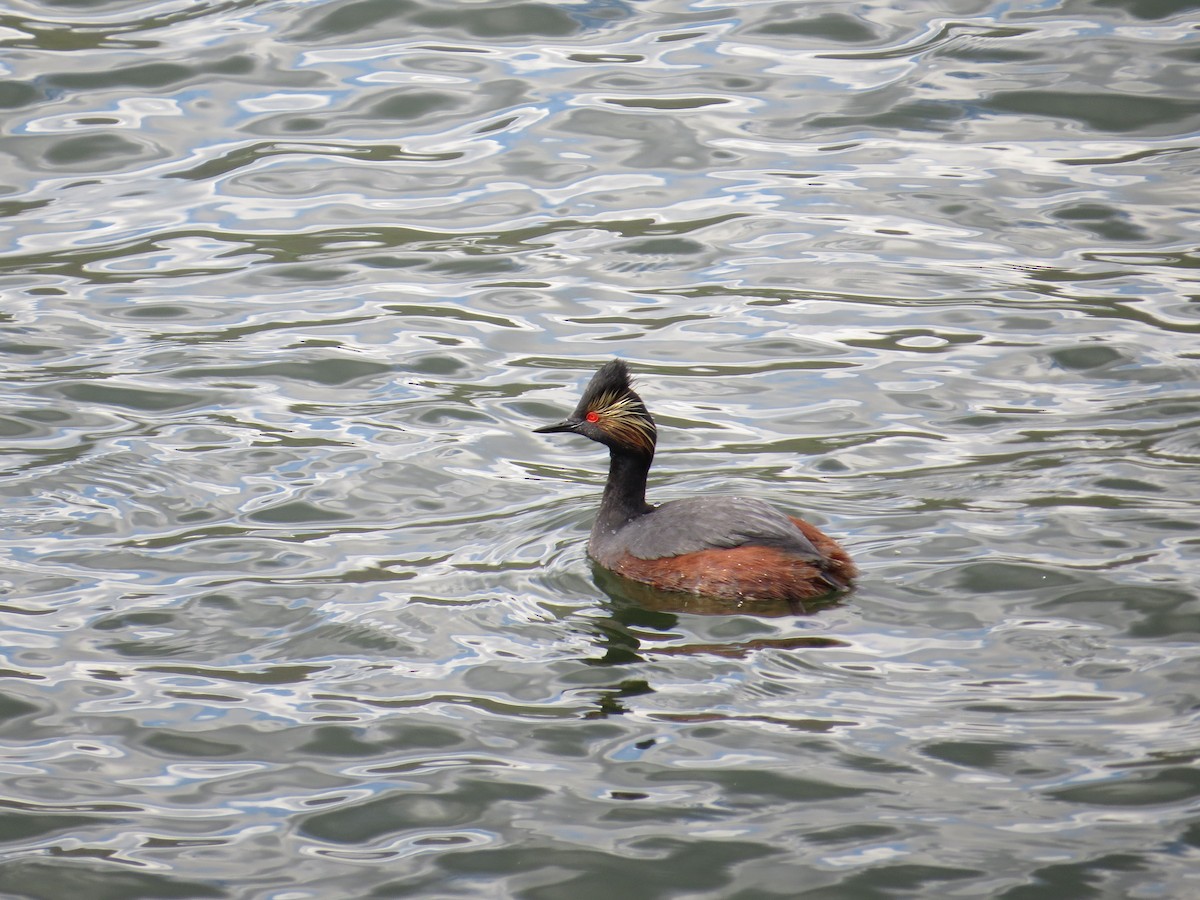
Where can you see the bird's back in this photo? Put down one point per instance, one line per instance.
(695, 524)
(730, 547)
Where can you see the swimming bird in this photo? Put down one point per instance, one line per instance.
(729, 548)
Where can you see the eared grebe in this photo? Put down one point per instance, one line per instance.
(729, 548)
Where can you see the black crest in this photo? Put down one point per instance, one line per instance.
(610, 412)
(620, 418)
(611, 382)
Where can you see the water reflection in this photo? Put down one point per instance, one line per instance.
(624, 592)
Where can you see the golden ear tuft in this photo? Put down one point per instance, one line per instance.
(624, 416)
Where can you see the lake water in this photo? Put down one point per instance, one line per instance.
(293, 603)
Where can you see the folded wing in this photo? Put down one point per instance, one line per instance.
(710, 523)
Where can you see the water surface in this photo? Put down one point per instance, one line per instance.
(295, 605)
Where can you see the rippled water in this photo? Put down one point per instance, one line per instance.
(295, 606)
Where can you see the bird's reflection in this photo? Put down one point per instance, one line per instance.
(622, 591)
(637, 612)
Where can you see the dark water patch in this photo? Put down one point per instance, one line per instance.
(15, 94)
(919, 115)
(852, 835)
(742, 785)
(1086, 358)
(332, 371)
(158, 311)
(68, 878)
(992, 577)
(414, 105)
(1171, 785)
(516, 20)
(357, 17)
(99, 152)
(633, 812)
(175, 746)
(129, 397)
(21, 826)
(702, 864)
(281, 674)
(665, 103)
(606, 58)
(297, 512)
(996, 756)
(1187, 54)
(1148, 10)
(827, 26)
(15, 708)
(1102, 221)
(153, 75)
(887, 878)
(1103, 112)
(463, 805)
(376, 20)
(985, 52)
(664, 247)
(1093, 878)
(1156, 612)
(343, 741)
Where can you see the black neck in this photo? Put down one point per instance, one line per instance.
(625, 492)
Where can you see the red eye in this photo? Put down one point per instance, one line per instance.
(592, 417)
